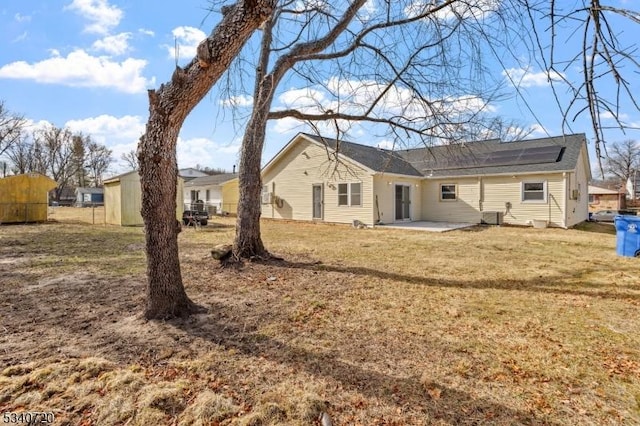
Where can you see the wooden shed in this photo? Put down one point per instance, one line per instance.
(123, 199)
(25, 198)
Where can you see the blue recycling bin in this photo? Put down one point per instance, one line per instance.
(627, 235)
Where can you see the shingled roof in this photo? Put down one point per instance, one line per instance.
(553, 154)
(377, 159)
(211, 180)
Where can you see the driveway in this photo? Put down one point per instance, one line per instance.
(423, 225)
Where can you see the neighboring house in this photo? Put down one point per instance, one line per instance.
(191, 173)
(89, 196)
(491, 181)
(210, 190)
(66, 196)
(25, 198)
(603, 199)
(123, 199)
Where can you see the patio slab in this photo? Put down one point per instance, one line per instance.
(423, 225)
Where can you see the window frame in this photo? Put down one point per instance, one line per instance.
(524, 192)
(455, 192)
(345, 199)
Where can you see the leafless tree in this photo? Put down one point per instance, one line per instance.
(12, 128)
(97, 160)
(586, 35)
(130, 160)
(53, 155)
(413, 67)
(168, 107)
(623, 159)
(372, 57)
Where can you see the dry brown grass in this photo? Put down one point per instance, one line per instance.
(486, 326)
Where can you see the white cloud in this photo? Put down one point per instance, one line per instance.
(20, 38)
(119, 134)
(302, 98)
(22, 18)
(609, 116)
(523, 77)
(100, 13)
(79, 69)
(146, 32)
(238, 101)
(114, 45)
(187, 39)
(108, 128)
(476, 10)
(206, 152)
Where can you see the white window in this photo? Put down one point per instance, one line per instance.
(350, 194)
(448, 192)
(534, 192)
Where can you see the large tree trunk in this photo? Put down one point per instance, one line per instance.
(248, 242)
(168, 108)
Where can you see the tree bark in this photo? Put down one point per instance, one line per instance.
(168, 108)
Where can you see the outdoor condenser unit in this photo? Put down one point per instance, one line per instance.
(492, 218)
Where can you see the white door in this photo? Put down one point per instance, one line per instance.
(317, 201)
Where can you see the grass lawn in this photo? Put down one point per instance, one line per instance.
(374, 327)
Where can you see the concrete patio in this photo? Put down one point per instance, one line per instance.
(428, 226)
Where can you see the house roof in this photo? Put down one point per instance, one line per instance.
(376, 159)
(117, 178)
(211, 180)
(88, 190)
(492, 157)
(596, 190)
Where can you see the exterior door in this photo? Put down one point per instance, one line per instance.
(317, 201)
(403, 205)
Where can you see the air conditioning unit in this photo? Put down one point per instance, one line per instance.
(267, 197)
(492, 218)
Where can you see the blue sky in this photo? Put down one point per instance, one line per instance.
(87, 64)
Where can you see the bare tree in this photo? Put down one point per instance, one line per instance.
(96, 161)
(586, 35)
(623, 160)
(12, 128)
(130, 160)
(53, 155)
(168, 108)
(21, 155)
(372, 57)
(368, 66)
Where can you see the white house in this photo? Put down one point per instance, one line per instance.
(321, 179)
(209, 190)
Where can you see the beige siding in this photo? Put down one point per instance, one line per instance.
(304, 164)
(131, 200)
(123, 200)
(112, 204)
(466, 208)
(384, 189)
(578, 208)
(230, 196)
(500, 190)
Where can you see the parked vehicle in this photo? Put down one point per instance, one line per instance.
(604, 215)
(192, 217)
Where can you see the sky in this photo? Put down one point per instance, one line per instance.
(87, 65)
